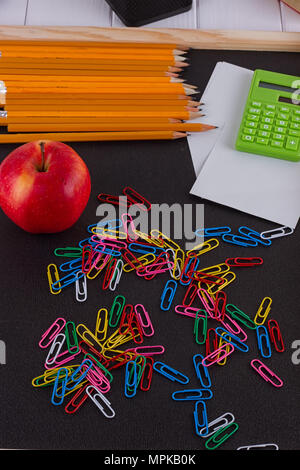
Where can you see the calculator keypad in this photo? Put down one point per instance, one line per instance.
(272, 125)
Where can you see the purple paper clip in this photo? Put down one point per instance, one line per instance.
(52, 332)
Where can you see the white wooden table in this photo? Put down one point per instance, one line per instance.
(269, 15)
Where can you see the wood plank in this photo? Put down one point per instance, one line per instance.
(13, 12)
(199, 39)
(185, 20)
(290, 18)
(239, 14)
(69, 12)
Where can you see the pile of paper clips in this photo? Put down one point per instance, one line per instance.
(116, 247)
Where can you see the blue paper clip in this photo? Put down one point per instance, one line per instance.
(263, 341)
(111, 224)
(212, 231)
(194, 394)
(201, 371)
(61, 380)
(170, 373)
(238, 240)
(67, 280)
(71, 265)
(200, 417)
(230, 338)
(169, 292)
(85, 241)
(82, 371)
(254, 235)
(131, 379)
(144, 249)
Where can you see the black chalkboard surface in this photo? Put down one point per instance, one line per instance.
(163, 172)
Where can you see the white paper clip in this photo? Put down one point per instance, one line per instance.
(277, 232)
(55, 349)
(216, 424)
(81, 287)
(94, 393)
(260, 446)
(116, 275)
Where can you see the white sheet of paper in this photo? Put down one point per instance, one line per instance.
(262, 186)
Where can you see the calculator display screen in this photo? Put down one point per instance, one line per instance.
(289, 100)
(274, 86)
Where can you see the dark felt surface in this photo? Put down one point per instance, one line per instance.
(163, 172)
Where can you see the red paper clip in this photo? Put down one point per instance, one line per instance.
(220, 304)
(125, 319)
(135, 198)
(190, 295)
(110, 199)
(109, 272)
(240, 262)
(147, 374)
(214, 342)
(275, 335)
(74, 404)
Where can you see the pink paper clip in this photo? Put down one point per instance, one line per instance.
(97, 378)
(129, 227)
(233, 327)
(207, 302)
(266, 373)
(218, 355)
(144, 320)
(63, 358)
(147, 350)
(52, 332)
(187, 310)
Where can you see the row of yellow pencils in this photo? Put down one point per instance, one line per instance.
(95, 91)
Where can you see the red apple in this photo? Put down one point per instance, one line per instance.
(44, 186)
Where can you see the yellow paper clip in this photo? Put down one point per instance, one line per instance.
(179, 259)
(50, 276)
(101, 324)
(142, 260)
(88, 336)
(157, 235)
(108, 233)
(116, 339)
(229, 277)
(148, 239)
(222, 362)
(111, 353)
(263, 311)
(204, 247)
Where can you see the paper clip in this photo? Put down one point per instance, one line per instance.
(131, 379)
(141, 262)
(135, 329)
(188, 311)
(51, 276)
(168, 294)
(116, 276)
(200, 327)
(60, 381)
(228, 277)
(80, 288)
(52, 332)
(232, 339)
(71, 337)
(101, 324)
(79, 374)
(211, 341)
(240, 316)
(263, 341)
(233, 327)
(259, 447)
(144, 248)
(144, 320)
(190, 294)
(220, 436)
(217, 424)
(74, 404)
(66, 281)
(218, 355)
(266, 373)
(249, 232)
(95, 395)
(88, 336)
(189, 267)
(219, 269)
(221, 343)
(146, 379)
(207, 301)
(115, 200)
(98, 365)
(97, 378)
(136, 198)
(243, 262)
(275, 335)
(201, 371)
(212, 231)
(170, 373)
(64, 357)
(263, 311)
(194, 394)
(68, 252)
(276, 233)
(239, 240)
(220, 305)
(200, 417)
(116, 311)
(55, 348)
(204, 247)
(147, 350)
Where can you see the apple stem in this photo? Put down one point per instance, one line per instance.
(42, 145)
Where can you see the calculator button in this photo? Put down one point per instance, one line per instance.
(266, 127)
(256, 104)
(284, 109)
(292, 143)
(254, 110)
(264, 133)
(294, 133)
(269, 113)
(248, 138)
(282, 116)
(267, 120)
(297, 112)
(281, 123)
(251, 124)
(262, 141)
(295, 125)
(253, 117)
(280, 130)
(270, 106)
(250, 130)
(278, 136)
(296, 118)
(276, 143)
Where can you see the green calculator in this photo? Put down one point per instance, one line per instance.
(271, 119)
